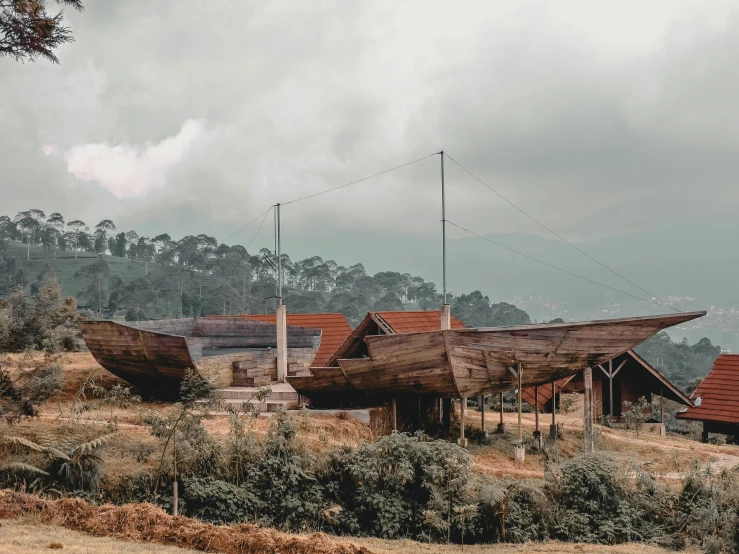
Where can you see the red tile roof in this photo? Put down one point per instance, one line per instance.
(719, 393)
(335, 329)
(528, 394)
(417, 322)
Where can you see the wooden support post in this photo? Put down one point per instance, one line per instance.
(587, 376)
(610, 386)
(662, 427)
(281, 343)
(446, 415)
(537, 432)
(501, 424)
(394, 414)
(462, 407)
(553, 426)
(519, 372)
(481, 403)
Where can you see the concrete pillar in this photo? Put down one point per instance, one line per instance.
(281, 343)
(462, 408)
(446, 317)
(587, 376)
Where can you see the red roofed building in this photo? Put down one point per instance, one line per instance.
(716, 400)
(387, 323)
(335, 329)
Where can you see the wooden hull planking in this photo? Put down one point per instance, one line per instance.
(467, 362)
(154, 355)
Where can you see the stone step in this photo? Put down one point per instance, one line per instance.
(267, 406)
(279, 391)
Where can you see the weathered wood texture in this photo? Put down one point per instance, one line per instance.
(154, 355)
(465, 362)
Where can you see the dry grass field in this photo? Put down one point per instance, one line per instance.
(667, 458)
(29, 536)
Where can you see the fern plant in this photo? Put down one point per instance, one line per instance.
(67, 464)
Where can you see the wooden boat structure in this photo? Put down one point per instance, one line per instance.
(454, 363)
(154, 355)
(461, 363)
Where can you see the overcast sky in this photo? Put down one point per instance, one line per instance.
(194, 116)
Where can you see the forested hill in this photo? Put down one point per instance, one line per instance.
(123, 274)
(117, 274)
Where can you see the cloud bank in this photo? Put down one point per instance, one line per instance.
(132, 171)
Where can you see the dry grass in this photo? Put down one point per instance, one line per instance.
(28, 536)
(380, 546)
(146, 523)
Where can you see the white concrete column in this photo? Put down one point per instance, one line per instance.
(281, 343)
(446, 317)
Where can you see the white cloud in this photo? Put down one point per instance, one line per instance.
(132, 171)
(48, 149)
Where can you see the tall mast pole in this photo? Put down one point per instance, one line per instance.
(443, 229)
(277, 278)
(279, 257)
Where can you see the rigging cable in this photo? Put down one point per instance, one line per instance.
(177, 269)
(657, 303)
(359, 180)
(560, 237)
(225, 282)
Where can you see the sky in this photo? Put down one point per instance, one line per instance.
(598, 118)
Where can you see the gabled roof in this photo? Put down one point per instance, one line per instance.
(390, 323)
(335, 329)
(718, 393)
(659, 381)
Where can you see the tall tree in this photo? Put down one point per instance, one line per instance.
(28, 30)
(77, 227)
(101, 235)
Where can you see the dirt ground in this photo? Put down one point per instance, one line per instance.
(27, 536)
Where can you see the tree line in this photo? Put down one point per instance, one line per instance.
(197, 275)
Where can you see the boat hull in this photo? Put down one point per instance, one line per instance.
(468, 362)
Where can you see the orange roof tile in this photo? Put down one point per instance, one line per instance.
(417, 322)
(335, 329)
(719, 393)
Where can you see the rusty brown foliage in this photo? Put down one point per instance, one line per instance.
(148, 523)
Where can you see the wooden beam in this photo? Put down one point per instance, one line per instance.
(536, 407)
(587, 375)
(610, 387)
(620, 366)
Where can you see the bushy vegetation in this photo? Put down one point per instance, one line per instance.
(44, 321)
(396, 486)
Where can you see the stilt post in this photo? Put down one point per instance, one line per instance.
(588, 409)
(462, 407)
(501, 424)
(553, 426)
(395, 414)
(537, 431)
(481, 405)
(519, 371)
